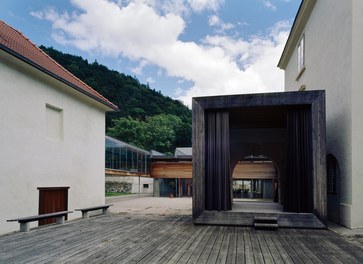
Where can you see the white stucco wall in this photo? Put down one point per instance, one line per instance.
(330, 66)
(357, 111)
(29, 160)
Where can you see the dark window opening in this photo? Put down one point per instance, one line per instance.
(332, 171)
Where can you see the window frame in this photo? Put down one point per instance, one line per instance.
(300, 56)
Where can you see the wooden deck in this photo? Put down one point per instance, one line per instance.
(121, 238)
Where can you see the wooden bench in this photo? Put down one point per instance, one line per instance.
(24, 221)
(85, 211)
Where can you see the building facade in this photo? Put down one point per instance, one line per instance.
(51, 134)
(325, 51)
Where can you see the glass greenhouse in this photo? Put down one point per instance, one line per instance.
(125, 157)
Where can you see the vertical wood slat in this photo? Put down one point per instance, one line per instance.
(299, 181)
(319, 158)
(217, 160)
(198, 143)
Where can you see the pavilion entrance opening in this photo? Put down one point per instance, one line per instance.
(258, 153)
(288, 128)
(255, 185)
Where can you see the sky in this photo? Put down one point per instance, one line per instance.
(183, 48)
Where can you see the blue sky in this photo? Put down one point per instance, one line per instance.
(183, 48)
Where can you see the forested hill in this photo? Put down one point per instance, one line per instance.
(134, 99)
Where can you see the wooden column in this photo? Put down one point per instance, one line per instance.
(198, 140)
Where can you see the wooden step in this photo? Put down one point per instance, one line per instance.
(265, 219)
(266, 222)
(264, 226)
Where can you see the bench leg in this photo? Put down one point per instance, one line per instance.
(24, 227)
(85, 214)
(60, 219)
(104, 210)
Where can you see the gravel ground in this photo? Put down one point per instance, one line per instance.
(150, 205)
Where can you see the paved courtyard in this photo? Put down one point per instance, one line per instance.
(154, 235)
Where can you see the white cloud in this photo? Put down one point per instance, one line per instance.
(200, 5)
(220, 65)
(218, 22)
(150, 80)
(37, 14)
(138, 69)
(269, 5)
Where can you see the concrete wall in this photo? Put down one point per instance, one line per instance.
(30, 159)
(136, 187)
(333, 59)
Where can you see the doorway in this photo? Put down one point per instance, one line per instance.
(51, 200)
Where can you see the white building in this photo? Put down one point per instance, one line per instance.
(325, 51)
(51, 135)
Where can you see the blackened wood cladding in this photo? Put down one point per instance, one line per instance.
(319, 157)
(198, 140)
(310, 147)
(217, 169)
(299, 175)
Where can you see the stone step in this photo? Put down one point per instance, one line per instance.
(266, 226)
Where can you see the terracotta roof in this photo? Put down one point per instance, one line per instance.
(15, 43)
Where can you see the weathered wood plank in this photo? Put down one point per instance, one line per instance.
(314, 243)
(256, 249)
(169, 249)
(280, 248)
(289, 249)
(296, 239)
(249, 254)
(232, 248)
(203, 258)
(187, 244)
(240, 256)
(172, 239)
(213, 256)
(222, 256)
(297, 248)
(267, 256)
(271, 247)
(201, 246)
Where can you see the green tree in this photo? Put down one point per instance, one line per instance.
(156, 132)
(127, 129)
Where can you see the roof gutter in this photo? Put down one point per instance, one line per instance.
(30, 62)
(303, 14)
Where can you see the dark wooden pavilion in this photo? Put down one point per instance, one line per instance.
(287, 127)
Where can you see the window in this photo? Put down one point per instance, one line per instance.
(332, 172)
(301, 56)
(54, 123)
(146, 186)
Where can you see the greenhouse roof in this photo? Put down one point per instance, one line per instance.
(112, 142)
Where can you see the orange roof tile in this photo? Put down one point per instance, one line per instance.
(18, 45)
